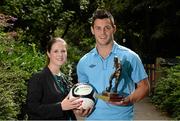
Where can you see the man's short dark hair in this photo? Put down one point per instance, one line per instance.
(101, 14)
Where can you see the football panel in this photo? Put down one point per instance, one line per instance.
(87, 103)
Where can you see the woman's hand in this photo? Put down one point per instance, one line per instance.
(69, 104)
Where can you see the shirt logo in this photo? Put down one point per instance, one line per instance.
(92, 66)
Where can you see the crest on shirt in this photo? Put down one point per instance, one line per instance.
(92, 66)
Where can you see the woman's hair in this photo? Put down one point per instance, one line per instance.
(101, 14)
(54, 40)
(51, 43)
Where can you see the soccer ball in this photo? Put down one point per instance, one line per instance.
(86, 92)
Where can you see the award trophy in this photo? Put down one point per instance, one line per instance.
(111, 93)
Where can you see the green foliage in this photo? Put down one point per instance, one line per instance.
(18, 62)
(12, 92)
(167, 91)
(74, 54)
(14, 53)
(38, 19)
(152, 23)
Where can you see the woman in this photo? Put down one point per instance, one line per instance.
(47, 90)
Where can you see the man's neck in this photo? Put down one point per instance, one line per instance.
(104, 51)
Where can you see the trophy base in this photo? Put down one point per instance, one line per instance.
(109, 96)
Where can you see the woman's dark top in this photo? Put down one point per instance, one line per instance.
(44, 97)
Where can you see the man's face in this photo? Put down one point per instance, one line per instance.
(103, 31)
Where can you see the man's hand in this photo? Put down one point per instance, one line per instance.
(140, 92)
(123, 102)
(82, 112)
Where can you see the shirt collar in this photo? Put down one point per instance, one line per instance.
(114, 50)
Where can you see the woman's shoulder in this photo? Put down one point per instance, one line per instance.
(37, 76)
(40, 74)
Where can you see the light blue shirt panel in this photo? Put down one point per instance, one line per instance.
(95, 70)
(112, 113)
(131, 62)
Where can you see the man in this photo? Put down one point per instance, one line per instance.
(97, 66)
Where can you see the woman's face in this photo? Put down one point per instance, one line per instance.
(58, 54)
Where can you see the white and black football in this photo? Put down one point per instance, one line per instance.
(86, 92)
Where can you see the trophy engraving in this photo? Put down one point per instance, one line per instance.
(111, 93)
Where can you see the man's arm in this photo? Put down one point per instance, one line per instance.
(141, 91)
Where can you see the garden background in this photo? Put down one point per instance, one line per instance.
(151, 28)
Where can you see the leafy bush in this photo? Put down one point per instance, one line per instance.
(15, 54)
(18, 62)
(167, 91)
(12, 92)
(38, 19)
